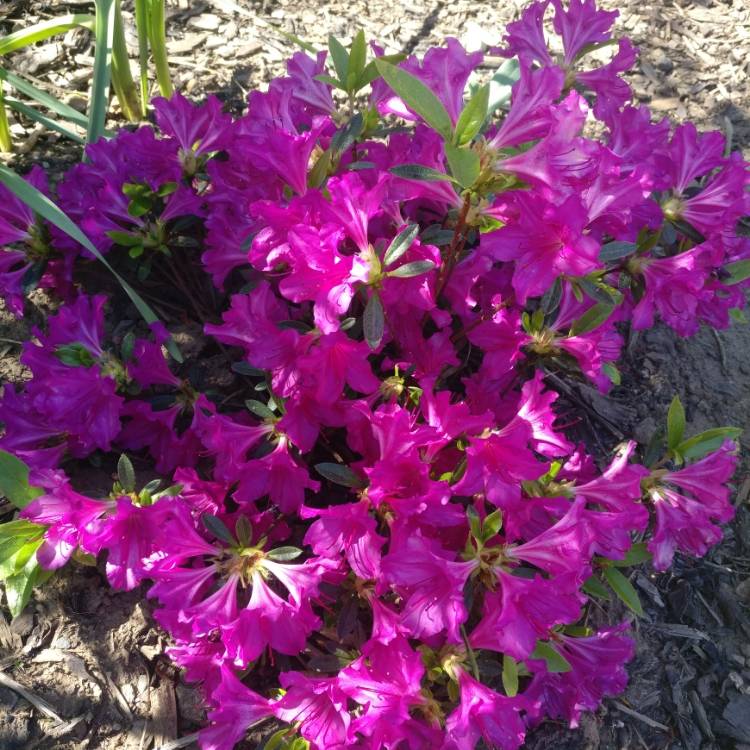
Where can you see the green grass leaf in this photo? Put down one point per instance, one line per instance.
(417, 97)
(37, 116)
(42, 205)
(101, 78)
(14, 481)
(43, 30)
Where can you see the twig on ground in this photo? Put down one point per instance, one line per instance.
(641, 717)
(39, 703)
(722, 351)
(177, 744)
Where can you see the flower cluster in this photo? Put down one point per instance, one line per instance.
(394, 517)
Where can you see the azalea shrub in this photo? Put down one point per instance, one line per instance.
(363, 519)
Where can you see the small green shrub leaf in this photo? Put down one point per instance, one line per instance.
(14, 481)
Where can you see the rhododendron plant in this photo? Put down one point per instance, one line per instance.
(366, 506)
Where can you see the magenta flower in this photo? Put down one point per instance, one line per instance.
(486, 715)
(686, 516)
(524, 610)
(431, 584)
(318, 705)
(597, 670)
(237, 708)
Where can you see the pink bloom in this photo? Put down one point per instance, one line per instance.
(535, 408)
(580, 25)
(486, 715)
(237, 709)
(523, 611)
(597, 670)
(319, 706)
(431, 584)
(685, 522)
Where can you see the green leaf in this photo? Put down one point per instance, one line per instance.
(371, 72)
(737, 316)
(74, 355)
(501, 84)
(344, 138)
(613, 251)
(124, 239)
(125, 473)
(472, 117)
(18, 587)
(612, 373)
(299, 42)
(340, 58)
(218, 528)
(319, 171)
(591, 319)
(42, 119)
(44, 30)
(284, 554)
(19, 528)
(42, 97)
(594, 587)
(42, 205)
(373, 321)
(675, 423)
(510, 675)
(738, 271)
(101, 77)
(14, 481)
(400, 244)
(551, 299)
(600, 292)
(707, 442)
(157, 32)
(556, 662)
(259, 409)
(330, 80)
(357, 59)
(492, 523)
(339, 474)
(636, 555)
(417, 268)
(464, 164)
(624, 589)
(419, 172)
(417, 97)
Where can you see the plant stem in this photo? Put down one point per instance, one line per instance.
(157, 32)
(5, 140)
(470, 652)
(122, 78)
(456, 246)
(141, 24)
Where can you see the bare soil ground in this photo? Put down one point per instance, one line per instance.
(96, 657)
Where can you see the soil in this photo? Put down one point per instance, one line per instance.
(97, 658)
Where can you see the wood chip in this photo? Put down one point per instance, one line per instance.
(641, 717)
(164, 713)
(39, 704)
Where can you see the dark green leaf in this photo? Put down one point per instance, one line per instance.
(599, 292)
(373, 321)
(417, 97)
(284, 554)
(473, 116)
(510, 675)
(594, 587)
(125, 473)
(127, 346)
(707, 442)
(340, 58)
(371, 72)
(556, 662)
(463, 163)
(636, 555)
(624, 589)
(74, 355)
(417, 268)
(259, 409)
(419, 172)
(344, 138)
(125, 239)
(243, 368)
(218, 528)
(104, 32)
(613, 251)
(339, 474)
(591, 319)
(551, 299)
(14, 481)
(612, 373)
(330, 80)
(400, 244)
(357, 166)
(688, 230)
(42, 119)
(675, 423)
(357, 59)
(436, 235)
(738, 271)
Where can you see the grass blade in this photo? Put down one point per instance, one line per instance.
(42, 205)
(43, 30)
(42, 97)
(122, 77)
(5, 141)
(37, 116)
(99, 102)
(158, 35)
(141, 25)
